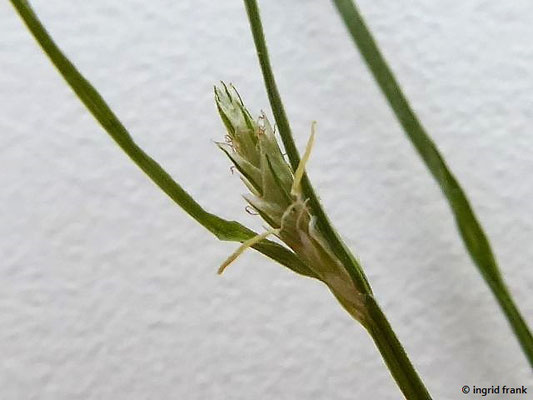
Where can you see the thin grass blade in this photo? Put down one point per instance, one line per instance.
(470, 229)
(221, 228)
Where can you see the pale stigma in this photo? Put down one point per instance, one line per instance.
(245, 245)
(301, 166)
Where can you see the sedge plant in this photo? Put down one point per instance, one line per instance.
(280, 192)
(277, 195)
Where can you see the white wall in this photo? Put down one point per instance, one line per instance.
(108, 290)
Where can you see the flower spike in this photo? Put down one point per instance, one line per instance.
(276, 195)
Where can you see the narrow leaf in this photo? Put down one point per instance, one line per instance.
(221, 228)
(471, 232)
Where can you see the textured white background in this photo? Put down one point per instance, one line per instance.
(108, 290)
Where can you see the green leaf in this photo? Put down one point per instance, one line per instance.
(221, 228)
(471, 232)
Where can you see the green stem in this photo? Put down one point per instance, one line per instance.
(221, 228)
(471, 232)
(394, 355)
(349, 262)
(388, 344)
(514, 317)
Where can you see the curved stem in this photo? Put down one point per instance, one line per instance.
(470, 229)
(221, 228)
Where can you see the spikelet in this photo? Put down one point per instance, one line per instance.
(276, 195)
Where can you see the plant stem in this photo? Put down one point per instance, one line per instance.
(394, 355)
(471, 231)
(350, 263)
(221, 228)
(377, 325)
(514, 317)
(389, 346)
